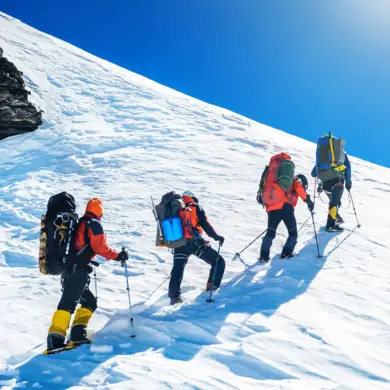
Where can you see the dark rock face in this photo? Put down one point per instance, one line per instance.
(17, 114)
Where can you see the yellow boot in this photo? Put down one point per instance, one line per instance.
(78, 333)
(57, 331)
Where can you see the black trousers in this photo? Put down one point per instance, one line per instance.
(334, 190)
(287, 215)
(202, 250)
(75, 290)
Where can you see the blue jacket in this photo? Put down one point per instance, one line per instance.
(348, 173)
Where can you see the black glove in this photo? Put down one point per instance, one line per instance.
(310, 204)
(348, 185)
(220, 239)
(320, 188)
(122, 256)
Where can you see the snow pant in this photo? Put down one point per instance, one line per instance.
(202, 250)
(75, 289)
(285, 214)
(334, 190)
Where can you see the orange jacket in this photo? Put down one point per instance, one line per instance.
(96, 236)
(290, 196)
(198, 217)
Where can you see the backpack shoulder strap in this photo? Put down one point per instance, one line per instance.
(87, 241)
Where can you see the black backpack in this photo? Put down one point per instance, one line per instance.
(170, 206)
(57, 238)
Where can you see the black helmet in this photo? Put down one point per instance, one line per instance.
(303, 180)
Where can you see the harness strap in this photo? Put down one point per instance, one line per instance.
(331, 147)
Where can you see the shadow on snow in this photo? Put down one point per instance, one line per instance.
(180, 334)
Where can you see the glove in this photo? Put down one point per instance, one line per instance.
(310, 204)
(122, 256)
(320, 188)
(220, 239)
(348, 185)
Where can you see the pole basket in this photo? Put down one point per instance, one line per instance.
(236, 257)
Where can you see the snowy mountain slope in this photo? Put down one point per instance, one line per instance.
(305, 323)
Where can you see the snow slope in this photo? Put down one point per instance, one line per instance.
(304, 323)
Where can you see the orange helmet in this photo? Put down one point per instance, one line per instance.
(95, 206)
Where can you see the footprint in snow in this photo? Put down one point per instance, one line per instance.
(17, 259)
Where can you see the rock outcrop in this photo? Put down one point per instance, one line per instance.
(17, 114)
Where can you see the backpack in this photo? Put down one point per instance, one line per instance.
(174, 221)
(330, 157)
(57, 235)
(277, 176)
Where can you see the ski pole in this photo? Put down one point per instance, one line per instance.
(315, 190)
(163, 282)
(304, 223)
(95, 265)
(315, 234)
(354, 209)
(237, 255)
(124, 264)
(214, 275)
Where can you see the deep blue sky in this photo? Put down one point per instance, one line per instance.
(303, 66)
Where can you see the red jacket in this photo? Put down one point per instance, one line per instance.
(290, 196)
(96, 237)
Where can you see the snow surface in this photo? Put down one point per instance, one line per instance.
(304, 323)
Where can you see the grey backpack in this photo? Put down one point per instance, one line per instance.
(330, 157)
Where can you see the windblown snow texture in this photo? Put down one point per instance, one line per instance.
(302, 323)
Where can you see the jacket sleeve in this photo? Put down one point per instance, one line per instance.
(98, 241)
(298, 188)
(348, 171)
(314, 172)
(203, 221)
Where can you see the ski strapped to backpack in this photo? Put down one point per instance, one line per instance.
(277, 177)
(330, 157)
(174, 222)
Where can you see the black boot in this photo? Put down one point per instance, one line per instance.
(176, 300)
(78, 335)
(55, 341)
(335, 229)
(287, 255)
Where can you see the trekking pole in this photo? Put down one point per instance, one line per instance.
(315, 234)
(158, 288)
(304, 223)
(315, 190)
(95, 265)
(124, 264)
(214, 274)
(354, 209)
(237, 255)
